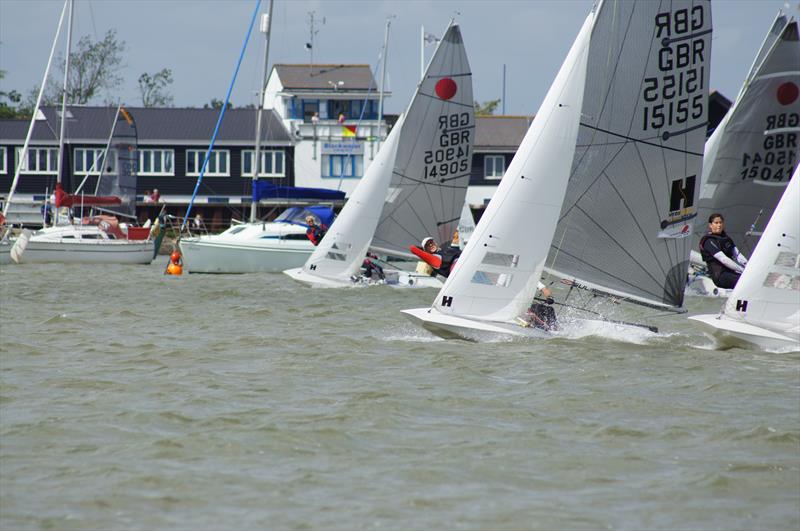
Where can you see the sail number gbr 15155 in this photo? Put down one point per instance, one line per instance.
(451, 156)
(676, 96)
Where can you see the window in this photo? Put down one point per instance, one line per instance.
(348, 166)
(3, 161)
(218, 162)
(494, 166)
(310, 107)
(40, 160)
(90, 160)
(271, 163)
(337, 107)
(156, 162)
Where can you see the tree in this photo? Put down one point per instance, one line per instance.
(94, 67)
(216, 104)
(153, 88)
(8, 102)
(487, 108)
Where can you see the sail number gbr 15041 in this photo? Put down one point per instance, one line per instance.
(676, 96)
(451, 156)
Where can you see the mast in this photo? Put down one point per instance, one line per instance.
(24, 153)
(266, 24)
(383, 77)
(60, 176)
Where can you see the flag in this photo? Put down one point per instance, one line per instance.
(430, 38)
(349, 131)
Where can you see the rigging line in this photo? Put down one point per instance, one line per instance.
(221, 116)
(666, 41)
(457, 103)
(640, 141)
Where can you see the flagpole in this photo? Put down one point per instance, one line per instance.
(422, 53)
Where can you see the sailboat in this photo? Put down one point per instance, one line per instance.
(417, 184)
(257, 246)
(602, 182)
(753, 152)
(764, 307)
(99, 238)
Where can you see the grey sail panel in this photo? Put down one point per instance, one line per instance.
(753, 153)
(627, 217)
(122, 181)
(434, 156)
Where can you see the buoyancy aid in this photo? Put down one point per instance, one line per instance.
(316, 233)
(442, 261)
(725, 244)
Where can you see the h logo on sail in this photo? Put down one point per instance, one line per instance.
(447, 301)
(682, 195)
(741, 306)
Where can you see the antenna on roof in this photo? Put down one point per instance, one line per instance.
(310, 43)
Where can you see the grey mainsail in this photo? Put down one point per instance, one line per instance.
(432, 167)
(630, 205)
(122, 182)
(753, 152)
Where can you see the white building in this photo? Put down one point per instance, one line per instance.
(331, 112)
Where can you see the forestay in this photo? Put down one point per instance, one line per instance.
(122, 182)
(434, 155)
(768, 292)
(626, 223)
(497, 274)
(754, 150)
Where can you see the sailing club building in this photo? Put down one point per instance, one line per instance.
(320, 129)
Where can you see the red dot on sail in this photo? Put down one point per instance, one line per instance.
(787, 93)
(446, 88)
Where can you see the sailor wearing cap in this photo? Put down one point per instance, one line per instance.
(441, 258)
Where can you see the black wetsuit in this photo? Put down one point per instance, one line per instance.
(711, 244)
(449, 255)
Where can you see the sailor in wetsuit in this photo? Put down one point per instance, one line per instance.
(539, 315)
(315, 232)
(724, 261)
(441, 259)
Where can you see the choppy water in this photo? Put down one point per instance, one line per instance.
(133, 400)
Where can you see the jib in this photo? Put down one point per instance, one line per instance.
(786, 119)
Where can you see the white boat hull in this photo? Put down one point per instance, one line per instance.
(731, 333)
(403, 280)
(88, 252)
(452, 327)
(201, 255)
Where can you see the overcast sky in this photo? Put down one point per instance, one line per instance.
(200, 41)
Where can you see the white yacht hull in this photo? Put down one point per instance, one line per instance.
(208, 255)
(88, 252)
(730, 333)
(402, 279)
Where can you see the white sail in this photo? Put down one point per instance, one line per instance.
(466, 226)
(495, 277)
(341, 252)
(768, 292)
(434, 156)
(753, 152)
(626, 223)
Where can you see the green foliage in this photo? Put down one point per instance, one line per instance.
(153, 88)
(217, 104)
(486, 108)
(9, 102)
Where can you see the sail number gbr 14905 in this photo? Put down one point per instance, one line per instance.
(676, 94)
(451, 156)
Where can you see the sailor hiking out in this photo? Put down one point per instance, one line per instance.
(724, 261)
(441, 259)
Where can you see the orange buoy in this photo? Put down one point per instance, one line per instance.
(174, 269)
(175, 266)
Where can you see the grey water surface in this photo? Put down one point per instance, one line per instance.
(137, 401)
